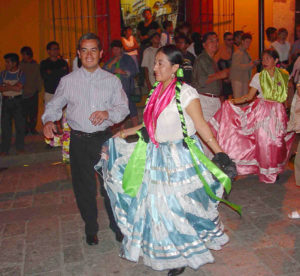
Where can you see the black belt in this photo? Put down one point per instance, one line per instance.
(11, 97)
(89, 135)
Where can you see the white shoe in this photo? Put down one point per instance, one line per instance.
(294, 215)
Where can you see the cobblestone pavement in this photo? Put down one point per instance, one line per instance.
(41, 232)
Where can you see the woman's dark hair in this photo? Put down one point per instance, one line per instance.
(272, 53)
(116, 43)
(246, 36)
(198, 47)
(173, 53)
(125, 29)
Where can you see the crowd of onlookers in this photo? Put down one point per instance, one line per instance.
(222, 71)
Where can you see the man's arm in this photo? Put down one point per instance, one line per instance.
(119, 103)
(53, 110)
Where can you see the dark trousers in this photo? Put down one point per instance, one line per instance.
(30, 110)
(84, 154)
(12, 109)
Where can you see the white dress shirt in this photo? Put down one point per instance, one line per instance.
(83, 93)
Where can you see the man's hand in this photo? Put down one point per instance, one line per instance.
(224, 74)
(120, 71)
(98, 117)
(49, 130)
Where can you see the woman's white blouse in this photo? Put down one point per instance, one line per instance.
(169, 124)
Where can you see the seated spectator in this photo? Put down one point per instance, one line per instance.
(182, 43)
(130, 44)
(149, 57)
(12, 80)
(124, 67)
(167, 35)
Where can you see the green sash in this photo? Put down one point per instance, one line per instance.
(274, 89)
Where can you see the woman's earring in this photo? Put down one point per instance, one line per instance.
(173, 76)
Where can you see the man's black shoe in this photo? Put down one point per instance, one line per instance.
(91, 239)
(119, 236)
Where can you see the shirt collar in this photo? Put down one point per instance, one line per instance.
(88, 74)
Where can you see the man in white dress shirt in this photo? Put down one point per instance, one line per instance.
(94, 101)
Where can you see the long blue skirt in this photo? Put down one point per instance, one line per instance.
(171, 222)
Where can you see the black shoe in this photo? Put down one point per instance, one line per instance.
(119, 236)
(176, 271)
(91, 239)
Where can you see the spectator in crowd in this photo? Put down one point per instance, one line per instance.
(123, 66)
(94, 101)
(237, 38)
(196, 46)
(130, 45)
(31, 89)
(144, 27)
(207, 79)
(167, 34)
(295, 51)
(149, 57)
(182, 43)
(184, 28)
(282, 46)
(271, 34)
(241, 68)
(224, 60)
(12, 80)
(52, 70)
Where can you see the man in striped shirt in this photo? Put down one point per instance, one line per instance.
(94, 101)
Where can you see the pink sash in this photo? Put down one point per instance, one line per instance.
(155, 106)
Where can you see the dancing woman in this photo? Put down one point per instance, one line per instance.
(256, 136)
(168, 218)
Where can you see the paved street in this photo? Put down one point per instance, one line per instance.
(41, 232)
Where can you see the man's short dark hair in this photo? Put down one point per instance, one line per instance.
(50, 44)
(246, 36)
(183, 37)
(270, 31)
(27, 51)
(13, 57)
(116, 43)
(282, 30)
(89, 36)
(227, 34)
(207, 35)
(237, 34)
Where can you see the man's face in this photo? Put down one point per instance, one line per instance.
(116, 51)
(9, 65)
(89, 54)
(238, 40)
(147, 15)
(246, 43)
(181, 45)
(155, 39)
(283, 36)
(26, 58)
(53, 51)
(228, 40)
(211, 44)
(274, 36)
